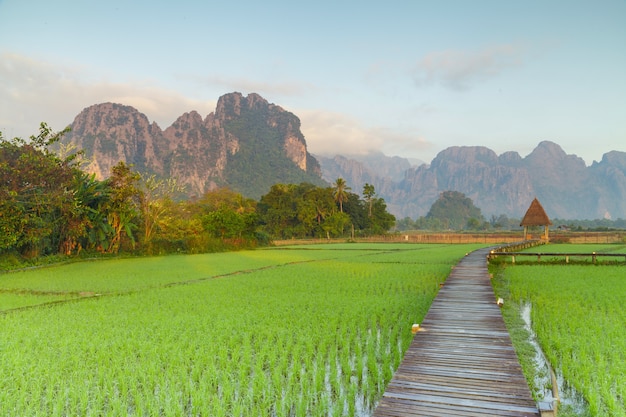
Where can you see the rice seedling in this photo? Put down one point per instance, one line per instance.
(578, 248)
(578, 316)
(18, 299)
(296, 333)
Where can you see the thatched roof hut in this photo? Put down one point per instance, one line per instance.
(536, 216)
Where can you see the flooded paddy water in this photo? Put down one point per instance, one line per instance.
(551, 385)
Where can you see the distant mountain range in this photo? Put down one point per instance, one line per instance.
(504, 184)
(249, 144)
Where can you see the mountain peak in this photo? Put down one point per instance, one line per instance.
(94, 117)
(231, 104)
(233, 146)
(466, 155)
(249, 144)
(615, 158)
(547, 150)
(503, 184)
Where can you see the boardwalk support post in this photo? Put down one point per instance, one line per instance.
(546, 408)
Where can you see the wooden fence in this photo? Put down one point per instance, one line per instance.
(486, 238)
(584, 257)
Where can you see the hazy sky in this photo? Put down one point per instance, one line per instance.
(410, 78)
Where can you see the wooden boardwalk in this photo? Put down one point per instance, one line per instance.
(461, 362)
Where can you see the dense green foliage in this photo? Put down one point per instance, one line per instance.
(599, 225)
(503, 222)
(455, 211)
(578, 316)
(313, 331)
(304, 210)
(36, 212)
(49, 206)
(248, 168)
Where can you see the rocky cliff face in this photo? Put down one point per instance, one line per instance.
(249, 144)
(199, 152)
(608, 178)
(377, 169)
(109, 133)
(475, 171)
(504, 184)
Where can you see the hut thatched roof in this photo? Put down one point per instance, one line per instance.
(535, 215)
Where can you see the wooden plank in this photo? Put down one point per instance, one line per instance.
(461, 362)
(465, 401)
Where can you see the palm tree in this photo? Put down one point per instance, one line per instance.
(369, 193)
(340, 192)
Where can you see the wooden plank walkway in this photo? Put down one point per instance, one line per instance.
(461, 362)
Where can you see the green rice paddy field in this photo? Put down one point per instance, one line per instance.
(291, 331)
(579, 316)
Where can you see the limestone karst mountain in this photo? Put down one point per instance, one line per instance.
(249, 144)
(499, 184)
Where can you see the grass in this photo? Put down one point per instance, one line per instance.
(313, 331)
(578, 316)
(15, 300)
(578, 248)
(578, 254)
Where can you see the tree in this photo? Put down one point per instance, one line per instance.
(122, 208)
(405, 223)
(335, 224)
(380, 220)
(473, 223)
(225, 223)
(368, 194)
(226, 214)
(453, 209)
(213, 200)
(313, 206)
(277, 211)
(35, 193)
(306, 210)
(322, 201)
(354, 207)
(86, 220)
(153, 194)
(340, 190)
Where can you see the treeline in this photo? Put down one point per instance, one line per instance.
(454, 211)
(505, 223)
(304, 210)
(49, 206)
(596, 225)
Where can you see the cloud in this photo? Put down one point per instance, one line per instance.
(329, 133)
(460, 70)
(33, 91)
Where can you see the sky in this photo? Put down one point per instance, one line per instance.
(408, 78)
